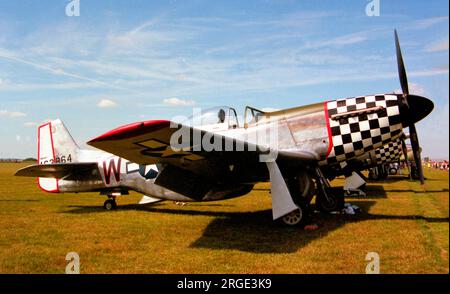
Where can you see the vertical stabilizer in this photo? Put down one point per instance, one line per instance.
(55, 145)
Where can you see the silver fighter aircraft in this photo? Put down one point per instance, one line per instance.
(215, 157)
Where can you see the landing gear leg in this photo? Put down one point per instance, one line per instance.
(328, 199)
(301, 189)
(110, 204)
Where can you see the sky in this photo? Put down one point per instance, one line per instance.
(124, 61)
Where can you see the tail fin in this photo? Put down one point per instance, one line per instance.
(55, 145)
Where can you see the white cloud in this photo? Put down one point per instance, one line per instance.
(417, 89)
(429, 72)
(50, 86)
(55, 71)
(12, 114)
(414, 88)
(429, 22)
(30, 124)
(178, 102)
(340, 41)
(17, 114)
(18, 138)
(441, 45)
(106, 103)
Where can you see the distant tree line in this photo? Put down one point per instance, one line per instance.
(17, 159)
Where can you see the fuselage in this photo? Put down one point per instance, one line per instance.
(118, 176)
(332, 133)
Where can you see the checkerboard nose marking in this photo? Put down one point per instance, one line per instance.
(355, 134)
(389, 153)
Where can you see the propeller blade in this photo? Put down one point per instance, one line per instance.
(401, 67)
(412, 128)
(416, 151)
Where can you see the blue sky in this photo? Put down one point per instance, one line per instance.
(124, 61)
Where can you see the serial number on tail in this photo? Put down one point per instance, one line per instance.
(57, 159)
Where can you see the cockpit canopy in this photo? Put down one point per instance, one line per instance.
(220, 115)
(224, 117)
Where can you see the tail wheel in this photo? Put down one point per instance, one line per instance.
(294, 218)
(110, 204)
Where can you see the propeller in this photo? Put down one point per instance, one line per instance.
(412, 103)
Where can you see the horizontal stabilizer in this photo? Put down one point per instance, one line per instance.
(148, 199)
(66, 171)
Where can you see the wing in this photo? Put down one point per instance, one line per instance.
(149, 142)
(66, 171)
(192, 164)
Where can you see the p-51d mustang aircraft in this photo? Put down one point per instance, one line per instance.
(211, 161)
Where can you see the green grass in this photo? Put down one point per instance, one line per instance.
(407, 226)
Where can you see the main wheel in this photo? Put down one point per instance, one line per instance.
(294, 218)
(301, 188)
(110, 204)
(335, 202)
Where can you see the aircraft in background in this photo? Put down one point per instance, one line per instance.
(216, 158)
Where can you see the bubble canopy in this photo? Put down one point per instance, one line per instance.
(212, 116)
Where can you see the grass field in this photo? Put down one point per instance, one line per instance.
(407, 227)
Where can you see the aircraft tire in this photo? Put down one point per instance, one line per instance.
(295, 218)
(301, 188)
(110, 204)
(336, 202)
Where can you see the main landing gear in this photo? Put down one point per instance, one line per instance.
(328, 199)
(302, 188)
